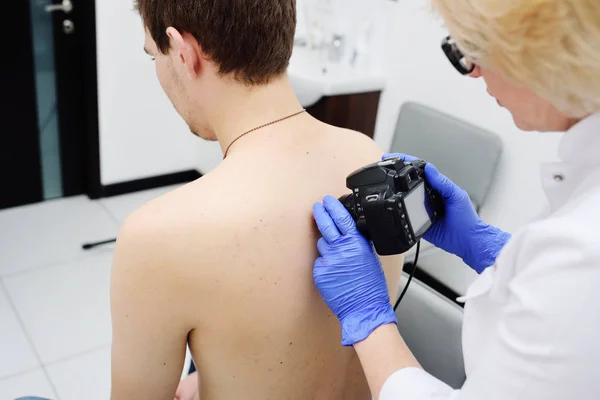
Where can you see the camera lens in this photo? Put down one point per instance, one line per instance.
(348, 202)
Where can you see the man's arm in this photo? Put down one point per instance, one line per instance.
(149, 327)
(393, 267)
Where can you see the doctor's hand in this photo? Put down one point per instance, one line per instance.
(461, 232)
(349, 275)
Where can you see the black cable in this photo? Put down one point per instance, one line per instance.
(89, 246)
(412, 274)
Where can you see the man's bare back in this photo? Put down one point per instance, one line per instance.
(236, 251)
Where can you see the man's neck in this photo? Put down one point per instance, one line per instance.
(239, 109)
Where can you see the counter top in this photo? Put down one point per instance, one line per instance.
(313, 79)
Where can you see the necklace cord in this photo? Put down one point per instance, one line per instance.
(260, 127)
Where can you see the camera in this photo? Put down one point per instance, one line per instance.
(392, 204)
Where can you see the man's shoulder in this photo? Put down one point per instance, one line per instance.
(353, 139)
(158, 231)
(356, 147)
(170, 247)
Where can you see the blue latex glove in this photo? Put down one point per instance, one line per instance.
(349, 275)
(461, 232)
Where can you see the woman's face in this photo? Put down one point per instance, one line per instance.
(530, 112)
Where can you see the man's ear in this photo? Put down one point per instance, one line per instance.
(187, 51)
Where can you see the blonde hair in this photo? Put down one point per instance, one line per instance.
(549, 46)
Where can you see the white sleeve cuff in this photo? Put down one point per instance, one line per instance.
(416, 384)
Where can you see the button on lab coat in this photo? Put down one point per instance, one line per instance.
(531, 326)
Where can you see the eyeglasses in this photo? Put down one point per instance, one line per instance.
(456, 57)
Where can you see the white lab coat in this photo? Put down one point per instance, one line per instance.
(531, 326)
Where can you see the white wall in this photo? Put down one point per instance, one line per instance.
(348, 18)
(419, 71)
(141, 135)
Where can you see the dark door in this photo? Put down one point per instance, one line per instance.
(20, 171)
(43, 143)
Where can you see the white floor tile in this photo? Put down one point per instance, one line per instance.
(65, 308)
(33, 383)
(84, 377)
(121, 206)
(50, 232)
(16, 354)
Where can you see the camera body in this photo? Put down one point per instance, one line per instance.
(392, 204)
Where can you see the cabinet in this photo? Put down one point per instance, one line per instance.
(354, 111)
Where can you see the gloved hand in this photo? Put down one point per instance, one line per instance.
(349, 275)
(461, 232)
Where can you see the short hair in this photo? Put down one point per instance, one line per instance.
(549, 46)
(251, 39)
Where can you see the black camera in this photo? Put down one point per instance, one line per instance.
(392, 204)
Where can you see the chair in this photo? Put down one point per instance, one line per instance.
(465, 153)
(429, 322)
(431, 326)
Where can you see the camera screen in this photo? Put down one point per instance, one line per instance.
(417, 211)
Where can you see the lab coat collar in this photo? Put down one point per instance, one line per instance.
(579, 152)
(581, 144)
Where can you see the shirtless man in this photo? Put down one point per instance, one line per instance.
(225, 263)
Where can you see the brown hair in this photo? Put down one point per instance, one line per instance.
(252, 39)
